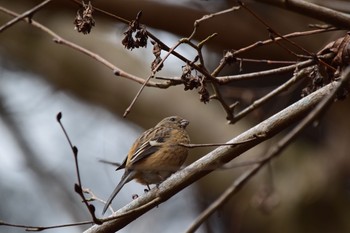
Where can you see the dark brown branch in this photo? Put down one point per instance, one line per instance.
(275, 33)
(78, 187)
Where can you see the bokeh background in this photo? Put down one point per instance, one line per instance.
(306, 190)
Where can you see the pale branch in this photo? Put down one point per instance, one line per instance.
(266, 61)
(28, 14)
(259, 102)
(60, 40)
(271, 154)
(218, 144)
(161, 43)
(222, 80)
(93, 197)
(260, 74)
(153, 37)
(42, 228)
(290, 35)
(234, 53)
(215, 159)
(248, 76)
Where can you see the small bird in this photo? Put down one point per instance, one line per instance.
(155, 155)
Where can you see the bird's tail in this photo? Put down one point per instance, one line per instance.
(125, 179)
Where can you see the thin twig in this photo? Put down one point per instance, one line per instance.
(78, 187)
(28, 14)
(259, 102)
(149, 77)
(222, 80)
(271, 30)
(155, 39)
(227, 108)
(223, 63)
(260, 74)
(60, 40)
(209, 16)
(41, 228)
(120, 19)
(219, 144)
(290, 35)
(187, 40)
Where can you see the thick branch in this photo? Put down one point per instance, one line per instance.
(272, 153)
(321, 13)
(212, 161)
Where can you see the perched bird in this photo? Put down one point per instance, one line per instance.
(155, 155)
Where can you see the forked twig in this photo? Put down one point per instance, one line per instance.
(28, 14)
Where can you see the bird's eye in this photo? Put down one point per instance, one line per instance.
(172, 119)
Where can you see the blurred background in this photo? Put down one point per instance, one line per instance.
(306, 190)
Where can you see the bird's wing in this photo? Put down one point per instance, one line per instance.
(150, 143)
(121, 166)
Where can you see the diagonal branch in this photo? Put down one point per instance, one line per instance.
(60, 40)
(271, 154)
(28, 14)
(324, 14)
(214, 160)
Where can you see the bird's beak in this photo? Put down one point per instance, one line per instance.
(184, 123)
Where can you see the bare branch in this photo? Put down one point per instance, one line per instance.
(214, 160)
(206, 17)
(271, 154)
(290, 35)
(219, 144)
(60, 40)
(259, 102)
(78, 187)
(41, 228)
(324, 14)
(28, 14)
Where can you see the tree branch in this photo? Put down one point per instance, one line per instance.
(214, 160)
(271, 154)
(324, 14)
